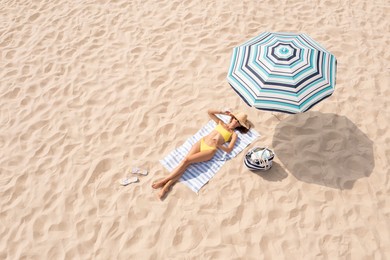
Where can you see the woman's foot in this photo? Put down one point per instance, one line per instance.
(165, 190)
(158, 184)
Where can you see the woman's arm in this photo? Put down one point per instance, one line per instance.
(212, 113)
(231, 144)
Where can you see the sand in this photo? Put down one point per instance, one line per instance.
(90, 89)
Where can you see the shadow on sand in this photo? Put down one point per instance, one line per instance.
(325, 149)
(276, 173)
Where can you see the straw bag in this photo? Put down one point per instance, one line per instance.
(259, 158)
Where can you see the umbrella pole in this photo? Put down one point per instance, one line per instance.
(275, 116)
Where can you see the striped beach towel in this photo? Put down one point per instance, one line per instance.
(198, 174)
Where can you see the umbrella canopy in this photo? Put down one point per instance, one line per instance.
(282, 72)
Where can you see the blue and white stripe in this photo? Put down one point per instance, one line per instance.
(282, 72)
(198, 174)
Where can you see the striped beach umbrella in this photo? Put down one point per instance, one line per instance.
(284, 72)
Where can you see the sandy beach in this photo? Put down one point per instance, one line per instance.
(90, 89)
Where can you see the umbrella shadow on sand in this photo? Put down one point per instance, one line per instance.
(325, 149)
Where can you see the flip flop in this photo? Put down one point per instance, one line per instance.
(139, 171)
(127, 181)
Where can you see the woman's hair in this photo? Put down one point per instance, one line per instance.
(240, 128)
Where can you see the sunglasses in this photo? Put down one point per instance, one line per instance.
(237, 120)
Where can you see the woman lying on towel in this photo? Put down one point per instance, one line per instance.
(205, 149)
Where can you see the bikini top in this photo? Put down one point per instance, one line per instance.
(225, 133)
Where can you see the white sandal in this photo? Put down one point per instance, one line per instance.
(139, 171)
(127, 181)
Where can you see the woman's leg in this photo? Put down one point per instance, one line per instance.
(194, 149)
(175, 176)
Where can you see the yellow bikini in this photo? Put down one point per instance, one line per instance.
(220, 129)
(206, 147)
(225, 133)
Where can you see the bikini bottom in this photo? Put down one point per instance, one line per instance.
(206, 147)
